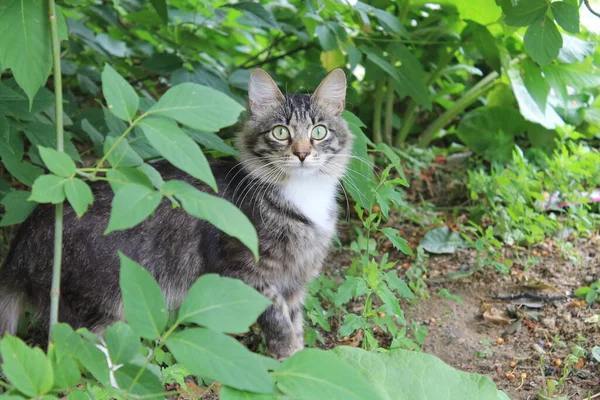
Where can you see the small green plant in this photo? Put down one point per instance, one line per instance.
(487, 247)
(590, 293)
(485, 350)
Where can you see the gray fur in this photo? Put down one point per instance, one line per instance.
(177, 248)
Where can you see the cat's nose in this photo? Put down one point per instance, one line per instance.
(302, 155)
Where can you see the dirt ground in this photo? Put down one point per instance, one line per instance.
(530, 335)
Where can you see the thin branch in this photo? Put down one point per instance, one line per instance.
(276, 41)
(589, 7)
(273, 59)
(58, 120)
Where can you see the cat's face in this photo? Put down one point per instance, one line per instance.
(296, 134)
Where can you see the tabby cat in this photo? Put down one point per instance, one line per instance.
(294, 150)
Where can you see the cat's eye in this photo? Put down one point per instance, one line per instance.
(318, 132)
(280, 132)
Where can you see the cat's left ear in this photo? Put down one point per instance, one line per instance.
(331, 93)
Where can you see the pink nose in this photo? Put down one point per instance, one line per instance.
(302, 155)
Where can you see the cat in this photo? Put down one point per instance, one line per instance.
(294, 150)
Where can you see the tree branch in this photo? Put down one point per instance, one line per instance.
(589, 7)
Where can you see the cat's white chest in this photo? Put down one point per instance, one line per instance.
(314, 197)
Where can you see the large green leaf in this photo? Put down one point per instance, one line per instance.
(28, 369)
(198, 107)
(222, 304)
(178, 148)
(536, 85)
(326, 37)
(144, 305)
(93, 360)
(132, 204)
(543, 41)
(567, 15)
(313, 374)
(120, 177)
(17, 207)
(26, 48)
(485, 42)
(411, 75)
(122, 155)
(402, 374)
(14, 101)
(219, 212)
(161, 9)
(526, 12)
(256, 15)
(121, 98)
(212, 141)
(228, 393)
(213, 355)
(11, 153)
(147, 384)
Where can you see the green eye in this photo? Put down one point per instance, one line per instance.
(280, 132)
(318, 132)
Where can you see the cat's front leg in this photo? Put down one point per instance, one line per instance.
(283, 328)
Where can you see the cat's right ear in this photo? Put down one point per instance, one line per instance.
(263, 93)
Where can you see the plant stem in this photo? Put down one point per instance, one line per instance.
(116, 143)
(58, 119)
(377, 138)
(389, 112)
(466, 100)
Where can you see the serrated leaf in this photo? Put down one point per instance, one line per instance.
(345, 291)
(403, 374)
(316, 374)
(217, 356)
(526, 12)
(48, 189)
(198, 107)
(398, 284)
(178, 148)
(79, 195)
(399, 243)
(144, 305)
(28, 369)
(543, 41)
(59, 163)
(121, 98)
(567, 15)
(352, 322)
(219, 212)
(16, 207)
(222, 304)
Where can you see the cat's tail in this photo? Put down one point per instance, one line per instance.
(11, 306)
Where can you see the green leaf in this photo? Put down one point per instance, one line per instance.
(327, 38)
(543, 41)
(313, 374)
(11, 152)
(121, 98)
(256, 14)
(212, 141)
(398, 284)
(161, 9)
(222, 304)
(177, 147)
(567, 15)
(93, 360)
(58, 163)
(120, 177)
(79, 195)
(411, 76)
(148, 385)
(66, 373)
(40, 134)
(198, 107)
(535, 83)
(16, 207)
(526, 12)
(485, 43)
(28, 369)
(122, 155)
(345, 291)
(484, 12)
(399, 243)
(122, 344)
(213, 355)
(48, 189)
(442, 241)
(352, 322)
(28, 52)
(78, 395)
(228, 393)
(132, 204)
(403, 374)
(219, 212)
(14, 101)
(144, 305)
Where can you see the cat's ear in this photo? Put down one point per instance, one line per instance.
(263, 92)
(331, 93)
